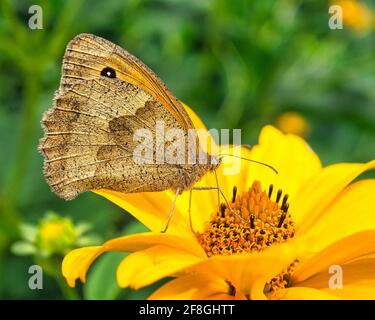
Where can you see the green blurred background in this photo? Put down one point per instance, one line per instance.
(238, 64)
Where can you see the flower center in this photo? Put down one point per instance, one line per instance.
(281, 281)
(252, 223)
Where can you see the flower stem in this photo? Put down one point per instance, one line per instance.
(68, 293)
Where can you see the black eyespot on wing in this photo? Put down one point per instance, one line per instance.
(108, 72)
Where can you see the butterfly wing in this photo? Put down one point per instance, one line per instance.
(89, 139)
(87, 55)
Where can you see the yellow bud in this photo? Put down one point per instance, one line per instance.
(55, 235)
(293, 122)
(356, 15)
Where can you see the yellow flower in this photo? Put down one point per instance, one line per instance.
(294, 123)
(356, 15)
(55, 234)
(260, 248)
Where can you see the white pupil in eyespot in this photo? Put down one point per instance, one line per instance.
(108, 72)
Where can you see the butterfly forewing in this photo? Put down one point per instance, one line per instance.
(87, 55)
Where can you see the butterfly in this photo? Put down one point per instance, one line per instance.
(106, 96)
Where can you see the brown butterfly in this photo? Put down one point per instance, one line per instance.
(105, 96)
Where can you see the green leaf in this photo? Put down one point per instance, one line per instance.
(21, 248)
(134, 227)
(101, 281)
(90, 240)
(82, 227)
(28, 232)
(145, 292)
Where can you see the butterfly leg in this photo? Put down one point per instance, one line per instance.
(172, 210)
(218, 198)
(190, 222)
(214, 188)
(218, 189)
(209, 188)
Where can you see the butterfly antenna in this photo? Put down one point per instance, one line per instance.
(251, 160)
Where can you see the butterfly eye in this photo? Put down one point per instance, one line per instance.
(108, 72)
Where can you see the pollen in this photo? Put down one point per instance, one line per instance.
(281, 281)
(252, 222)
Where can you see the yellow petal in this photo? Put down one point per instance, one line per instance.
(76, 263)
(355, 292)
(197, 287)
(148, 266)
(338, 253)
(204, 203)
(289, 154)
(257, 290)
(250, 272)
(321, 189)
(303, 293)
(247, 273)
(352, 211)
(145, 240)
(358, 280)
(205, 139)
(152, 209)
